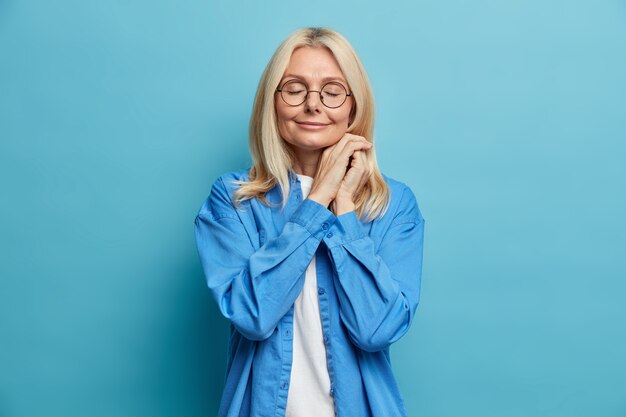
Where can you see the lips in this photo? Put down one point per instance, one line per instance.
(312, 126)
(312, 123)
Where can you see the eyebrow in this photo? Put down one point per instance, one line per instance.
(323, 79)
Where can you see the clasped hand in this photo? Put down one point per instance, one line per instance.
(341, 172)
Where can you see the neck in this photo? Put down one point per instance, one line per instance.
(306, 162)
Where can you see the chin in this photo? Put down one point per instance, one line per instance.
(317, 142)
(309, 143)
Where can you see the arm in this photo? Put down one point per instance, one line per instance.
(378, 290)
(255, 288)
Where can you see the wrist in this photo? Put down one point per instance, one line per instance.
(343, 199)
(342, 207)
(321, 200)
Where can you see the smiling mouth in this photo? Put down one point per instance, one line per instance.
(311, 125)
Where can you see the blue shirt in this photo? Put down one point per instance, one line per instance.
(254, 259)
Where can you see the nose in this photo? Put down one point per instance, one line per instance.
(313, 101)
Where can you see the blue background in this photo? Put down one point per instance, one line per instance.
(506, 118)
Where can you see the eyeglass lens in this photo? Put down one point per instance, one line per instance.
(295, 92)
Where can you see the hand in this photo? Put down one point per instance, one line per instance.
(332, 167)
(357, 176)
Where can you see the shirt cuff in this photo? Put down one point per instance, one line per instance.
(314, 217)
(347, 228)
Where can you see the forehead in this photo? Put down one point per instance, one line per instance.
(313, 64)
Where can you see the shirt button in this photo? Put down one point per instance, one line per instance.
(324, 226)
(332, 390)
(287, 333)
(321, 290)
(330, 234)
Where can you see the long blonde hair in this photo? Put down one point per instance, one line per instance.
(273, 159)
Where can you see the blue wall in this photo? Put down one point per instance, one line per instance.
(507, 119)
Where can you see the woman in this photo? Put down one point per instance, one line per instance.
(312, 254)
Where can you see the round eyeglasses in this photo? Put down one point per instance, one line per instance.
(295, 92)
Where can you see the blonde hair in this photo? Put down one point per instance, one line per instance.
(271, 156)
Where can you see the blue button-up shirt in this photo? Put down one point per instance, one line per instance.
(368, 274)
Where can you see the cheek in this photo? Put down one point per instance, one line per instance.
(283, 116)
(342, 118)
(283, 113)
(347, 109)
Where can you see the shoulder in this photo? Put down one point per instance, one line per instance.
(229, 179)
(403, 204)
(219, 202)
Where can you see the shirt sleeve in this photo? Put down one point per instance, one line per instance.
(255, 288)
(378, 289)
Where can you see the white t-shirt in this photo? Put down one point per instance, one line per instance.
(309, 389)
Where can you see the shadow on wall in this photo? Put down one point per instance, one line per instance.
(205, 338)
(224, 149)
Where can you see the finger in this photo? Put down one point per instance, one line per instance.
(355, 151)
(365, 166)
(347, 139)
(337, 159)
(354, 146)
(366, 161)
(360, 165)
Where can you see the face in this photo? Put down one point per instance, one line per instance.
(311, 125)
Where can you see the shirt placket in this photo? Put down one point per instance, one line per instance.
(286, 323)
(327, 303)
